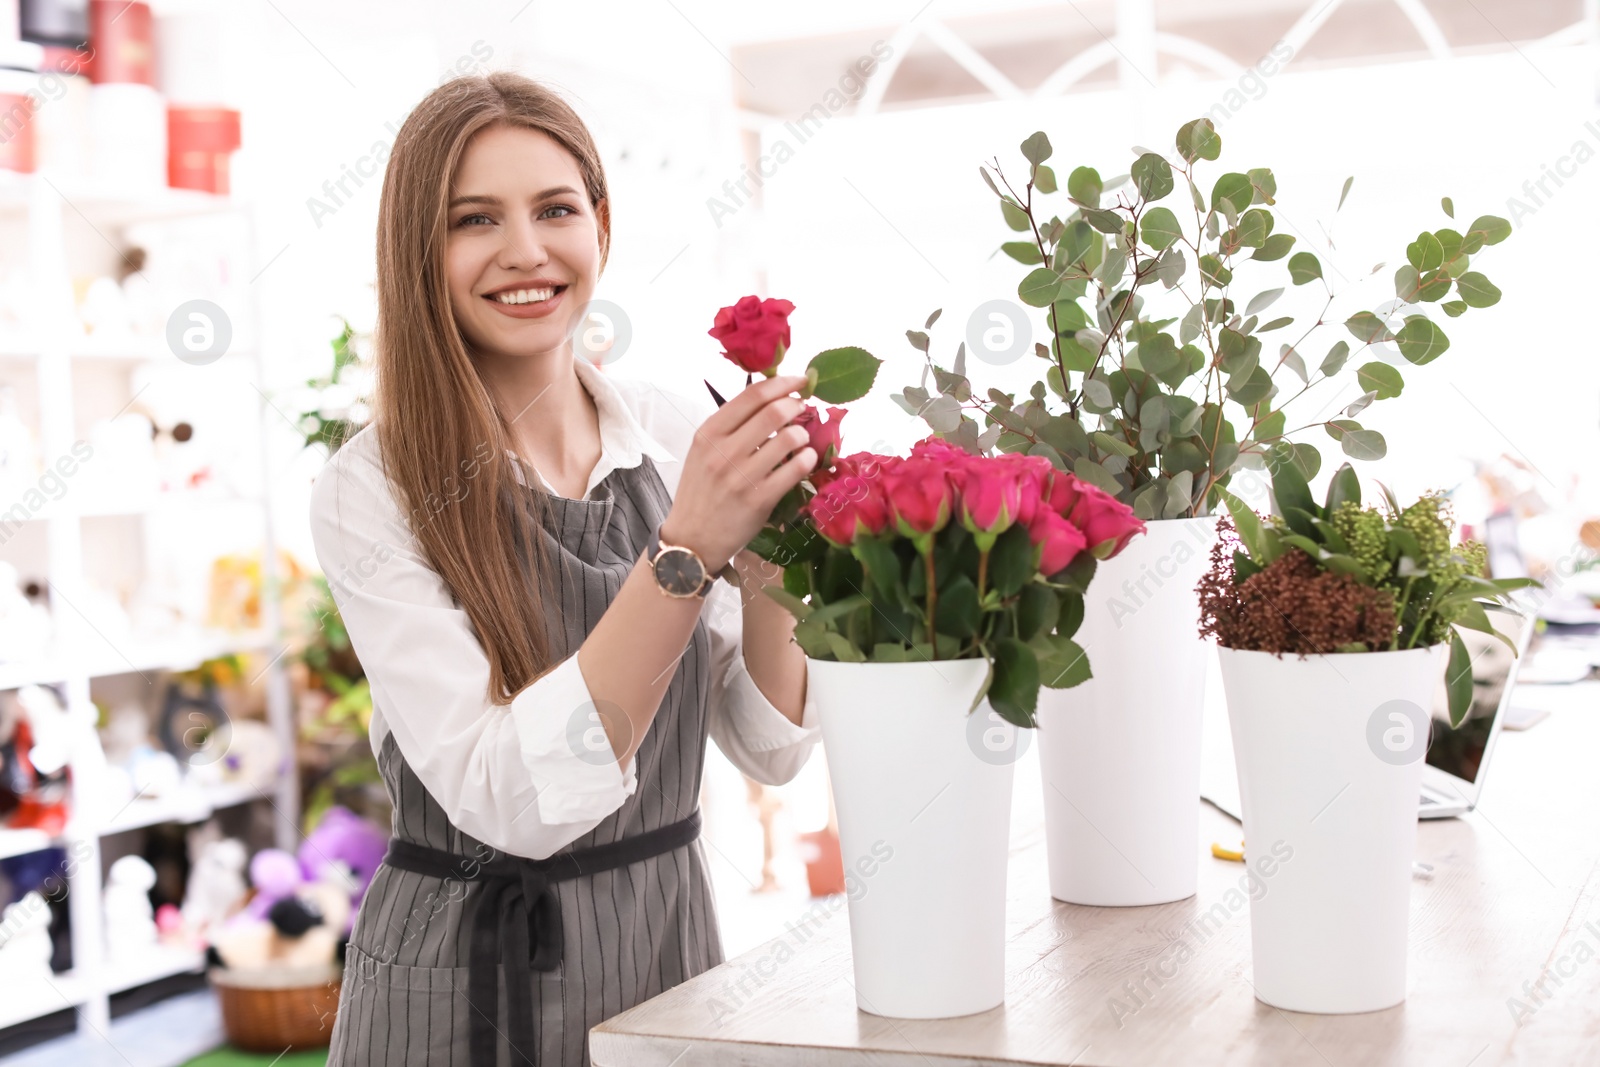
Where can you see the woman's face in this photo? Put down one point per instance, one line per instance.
(520, 229)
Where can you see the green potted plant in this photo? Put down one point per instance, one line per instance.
(1331, 620)
(1159, 384)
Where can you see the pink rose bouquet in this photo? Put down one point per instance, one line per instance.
(944, 554)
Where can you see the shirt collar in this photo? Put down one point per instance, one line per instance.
(623, 438)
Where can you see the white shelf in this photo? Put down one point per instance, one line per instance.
(67, 367)
(105, 205)
(177, 654)
(151, 965)
(185, 806)
(149, 504)
(22, 842)
(188, 805)
(30, 1000)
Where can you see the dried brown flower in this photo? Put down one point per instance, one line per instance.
(1291, 605)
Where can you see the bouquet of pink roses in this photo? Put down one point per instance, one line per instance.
(948, 555)
(940, 555)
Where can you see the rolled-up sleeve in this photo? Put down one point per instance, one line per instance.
(527, 777)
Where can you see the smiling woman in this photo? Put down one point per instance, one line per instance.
(543, 680)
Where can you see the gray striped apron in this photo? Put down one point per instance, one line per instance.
(627, 934)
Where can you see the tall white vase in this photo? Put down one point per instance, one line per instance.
(1120, 754)
(1330, 752)
(924, 803)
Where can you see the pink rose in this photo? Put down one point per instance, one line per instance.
(938, 448)
(920, 495)
(847, 507)
(752, 332)
(824, 435)
(1058, 541)
(1032, 474)
(991, 496)
(1107, 523)
(867, 464)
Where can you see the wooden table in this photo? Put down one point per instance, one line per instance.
(1514, 899)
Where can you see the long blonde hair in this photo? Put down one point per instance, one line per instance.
(443, 440)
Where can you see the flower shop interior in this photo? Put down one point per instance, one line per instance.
(1000, 220)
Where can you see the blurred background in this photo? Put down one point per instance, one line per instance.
(188, 196)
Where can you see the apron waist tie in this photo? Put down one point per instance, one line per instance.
(520, 910)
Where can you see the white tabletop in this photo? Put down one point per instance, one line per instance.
(1515, 885)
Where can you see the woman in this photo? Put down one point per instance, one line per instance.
(544, 673)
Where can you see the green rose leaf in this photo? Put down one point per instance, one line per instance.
(1062, 663)
(843, 374)
(1381, 379)
(1421, 341)
(1159, 228)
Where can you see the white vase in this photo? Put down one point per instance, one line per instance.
(923, 794)
(1329, 751)
(1119, 755)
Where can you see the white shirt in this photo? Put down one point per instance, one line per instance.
(507, 774)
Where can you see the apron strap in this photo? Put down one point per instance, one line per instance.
(517, 920)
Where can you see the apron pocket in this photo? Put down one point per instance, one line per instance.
(395, 1014)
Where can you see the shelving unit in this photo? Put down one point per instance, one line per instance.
(52, 348)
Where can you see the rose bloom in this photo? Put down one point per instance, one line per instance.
(867, 464)
(848, 506)
(921, 494)
(991, 496)
(751, 330)
(1058, 540)
(1107, 523)
(824, 436)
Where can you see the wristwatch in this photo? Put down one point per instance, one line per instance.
(679, 570)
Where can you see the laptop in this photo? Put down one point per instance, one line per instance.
(1457, 759)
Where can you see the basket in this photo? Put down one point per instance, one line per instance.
(278, 1009)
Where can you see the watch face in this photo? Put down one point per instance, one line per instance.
(679, 572)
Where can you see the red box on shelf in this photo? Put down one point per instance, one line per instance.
(16, 132)
(120, 33)
(200, 141)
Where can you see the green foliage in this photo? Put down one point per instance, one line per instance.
(1152, 287)
(1436, 587)
(338, 413)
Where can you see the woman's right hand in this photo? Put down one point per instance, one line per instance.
(737, 471)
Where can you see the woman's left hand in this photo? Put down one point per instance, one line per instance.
(754, 573)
